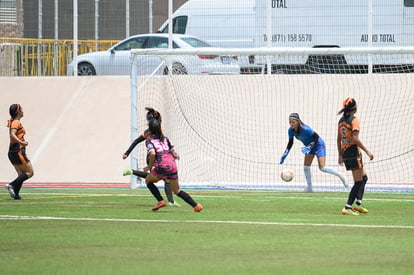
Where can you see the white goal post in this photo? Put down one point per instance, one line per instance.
(231, 128)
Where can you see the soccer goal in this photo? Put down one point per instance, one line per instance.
(231, 127)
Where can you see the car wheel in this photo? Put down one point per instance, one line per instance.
(177, 68)
(86, 69)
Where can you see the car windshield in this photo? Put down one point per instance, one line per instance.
(132, 43)
(195, 42)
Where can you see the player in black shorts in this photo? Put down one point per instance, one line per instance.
(17, 151)
(349, 150)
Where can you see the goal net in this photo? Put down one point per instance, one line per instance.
(231, 127)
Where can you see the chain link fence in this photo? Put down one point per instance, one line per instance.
(36, 37)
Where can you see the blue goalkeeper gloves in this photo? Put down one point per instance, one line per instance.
(282, 158)
(306, 150)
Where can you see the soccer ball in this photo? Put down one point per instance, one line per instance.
(287, 175)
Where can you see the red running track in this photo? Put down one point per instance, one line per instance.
(76, 184)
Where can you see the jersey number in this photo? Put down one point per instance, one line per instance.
(343, 131)
(159, 146)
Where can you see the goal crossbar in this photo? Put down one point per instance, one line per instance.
(277, 51)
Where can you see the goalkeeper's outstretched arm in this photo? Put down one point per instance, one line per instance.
(285, 154)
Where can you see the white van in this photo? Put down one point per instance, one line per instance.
(221, 22)
(297, 23)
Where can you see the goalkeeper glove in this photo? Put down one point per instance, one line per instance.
(282, 158)
(306, 150)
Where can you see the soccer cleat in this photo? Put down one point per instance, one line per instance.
(198, 208)
(349, 211)
(308, 189)
(174, 204)
(360, 209)
(159, 205)
(127, 172)
(17, 197)
(11, 190)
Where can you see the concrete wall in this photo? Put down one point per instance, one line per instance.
(77, 128)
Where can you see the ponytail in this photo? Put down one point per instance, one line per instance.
(348, 105)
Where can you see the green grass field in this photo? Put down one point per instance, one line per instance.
(114, 231)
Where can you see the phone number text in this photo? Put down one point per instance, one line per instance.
(292, 37)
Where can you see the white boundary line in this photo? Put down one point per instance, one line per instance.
(11, 217)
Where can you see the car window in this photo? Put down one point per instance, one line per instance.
(196, 43)
(133, 43)
(179, 25)
(158, 42)
(409, 3)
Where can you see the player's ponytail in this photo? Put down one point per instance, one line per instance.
(348, 105)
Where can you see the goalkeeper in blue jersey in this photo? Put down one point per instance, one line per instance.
(313, 145)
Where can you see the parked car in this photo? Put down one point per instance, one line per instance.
(116, 60)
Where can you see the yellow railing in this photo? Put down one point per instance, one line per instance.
(42, 57)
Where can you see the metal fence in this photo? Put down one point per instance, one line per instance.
(42, 57)
(37, 37)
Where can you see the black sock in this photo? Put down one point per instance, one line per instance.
(354, 192)
(361, 190)
(154, 191)
(187, 198)
(18, 182)
(140, 174)
(168, 191)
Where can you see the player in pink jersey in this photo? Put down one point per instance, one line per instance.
(162, 165)
(151, 114)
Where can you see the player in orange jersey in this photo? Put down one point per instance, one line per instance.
(17, 151)
(349, 150)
